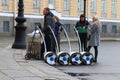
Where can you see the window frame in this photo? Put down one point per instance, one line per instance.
(103, 6)
(80, 5)
(114, 6)
(36, 4)
(114, 29)
(51, 4)
(93, 6)
(5, 2)
(104, 29)
(66, 5)
(4, 26)
(67, 28)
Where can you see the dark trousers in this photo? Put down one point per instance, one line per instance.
(83, 38)
(48, 45)
(58, 40)
(54, 43)
(48, 42)
(96, 51)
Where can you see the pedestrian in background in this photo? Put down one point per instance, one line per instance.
(95, 36)
(81, 26)
(58, 29)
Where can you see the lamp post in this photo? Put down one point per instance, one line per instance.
(85, 9)
(20, 28)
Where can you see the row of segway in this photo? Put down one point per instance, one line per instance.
(66, 57)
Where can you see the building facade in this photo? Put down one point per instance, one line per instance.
(67, 10)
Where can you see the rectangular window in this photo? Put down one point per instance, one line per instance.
(66, 5)
(6, 26)
(103, 6)
(67, 27)
(36, 3)
(93, 5)
(114, 29)
(113, 6)
(80, 5)
(4, 2)
(104, 28)
(51, 4)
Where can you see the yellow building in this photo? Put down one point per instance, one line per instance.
(67, 10)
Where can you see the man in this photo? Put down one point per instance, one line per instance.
(48, 21)
(81, 26)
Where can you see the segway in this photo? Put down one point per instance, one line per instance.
(51, 57)
(87, 57)
(64, 56)
(75, 56)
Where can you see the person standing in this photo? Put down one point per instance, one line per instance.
(58, 29)
(48, 21)
(95, 36)
(81, 26)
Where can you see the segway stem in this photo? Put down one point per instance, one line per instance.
(69, 45)
(54, 38)
(42, 38)
(78, 37)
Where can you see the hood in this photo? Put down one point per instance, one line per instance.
(97, 23)
(50, 13)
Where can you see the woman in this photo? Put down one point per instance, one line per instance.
(57, 29)
(81, 26)
(95, 36)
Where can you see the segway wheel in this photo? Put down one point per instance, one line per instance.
(63, 59)
(87, 58)
(50, 58)
(75, 58)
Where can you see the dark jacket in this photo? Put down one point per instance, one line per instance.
(48, 21)
(82, 24)
(57, 28)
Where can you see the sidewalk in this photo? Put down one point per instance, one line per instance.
(13, 66)
(102, 39)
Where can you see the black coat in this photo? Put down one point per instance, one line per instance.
(48, 21)
(83, 36)
(82, 24)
